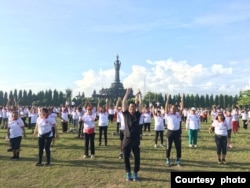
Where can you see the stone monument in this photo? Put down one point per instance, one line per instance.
(116, 89)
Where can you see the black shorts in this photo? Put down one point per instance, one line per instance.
(54, 132)
(121, 135)
(16, 142)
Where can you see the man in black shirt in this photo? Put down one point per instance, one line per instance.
(131, 142)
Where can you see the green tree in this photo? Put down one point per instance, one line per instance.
(244, 99)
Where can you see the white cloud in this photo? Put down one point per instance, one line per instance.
(94, 81)
(219, 69)
(168, 76)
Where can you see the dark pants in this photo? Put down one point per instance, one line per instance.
(118, 124)
(24, 121)
(104, 130)
(221, 144)
(174, 136)
(44, 143)
(64, 126)
(80, 129)
(89, 139)
(157, 133)
(29, 122)
(244, 124)
(147, 126)
(128, 146)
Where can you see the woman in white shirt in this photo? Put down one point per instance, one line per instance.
(43, 127)
(88, 120)
(103, 122)
(220, 130)
(193, 127)
(158, 126)
(15, 132)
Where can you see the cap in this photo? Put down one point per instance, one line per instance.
(193, 108)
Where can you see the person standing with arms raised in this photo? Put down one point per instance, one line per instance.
(103, 121)
(88, 120)
(44, 131)
(131, 141)
(173, 120)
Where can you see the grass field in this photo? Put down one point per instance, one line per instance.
(70, 170)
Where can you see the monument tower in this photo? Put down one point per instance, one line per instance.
(116, 89)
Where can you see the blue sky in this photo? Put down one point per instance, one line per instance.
(195, 47)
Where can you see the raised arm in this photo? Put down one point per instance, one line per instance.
(182, 104)
(98, 103)
(119, 100)
(107, 105)
(139, 101)
(167, 105)
(124, 100)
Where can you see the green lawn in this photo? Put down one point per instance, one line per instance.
(69, 169)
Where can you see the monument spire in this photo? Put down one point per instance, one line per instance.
(117, 65)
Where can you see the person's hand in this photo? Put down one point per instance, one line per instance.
(210, 130)
(129, 90)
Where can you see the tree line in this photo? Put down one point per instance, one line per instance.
(58, 98)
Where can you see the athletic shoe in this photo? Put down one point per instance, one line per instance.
(195, 146)
(128, 176)
(121, 156)
(162, 145)
(178, 162)
(155, 145)
(85, 156)
(39, 164)
(135, 177)
(224, 161)
(14, 157)
(92, 156)
(219, 161)
(190, 145)
(47, 164)
(167, 162)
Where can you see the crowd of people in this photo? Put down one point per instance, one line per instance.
(133, 121)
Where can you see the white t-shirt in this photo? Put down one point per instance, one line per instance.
(228, 119)
(235, 115)
(103, 119)
(121, 117)
(173, 121)
(33, 117)
(147, 117)
(89, 120)
(15, 127)
(159, 125)
(45, 125)
(193, 122)
(220, 128)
